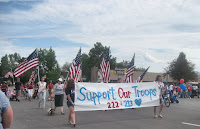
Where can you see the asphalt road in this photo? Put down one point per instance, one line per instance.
(185, 115)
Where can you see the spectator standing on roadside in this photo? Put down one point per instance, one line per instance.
(4, 88)
(189, 88)
(178, 91)
(17, 88)
(6, 113)
(119, 80)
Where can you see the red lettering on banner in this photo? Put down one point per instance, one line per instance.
(122, 94)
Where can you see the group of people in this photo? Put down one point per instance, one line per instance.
(176, 90)
(59, 89)
(55, 91)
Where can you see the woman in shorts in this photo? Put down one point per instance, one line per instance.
(160, 87)
(70, 101)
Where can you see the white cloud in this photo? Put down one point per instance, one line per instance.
(127, 26)
(152, 59)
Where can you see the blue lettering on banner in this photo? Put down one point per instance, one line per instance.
(95, 96)
(147, 92)
(82, 94)
(112, 93)
(128, 103)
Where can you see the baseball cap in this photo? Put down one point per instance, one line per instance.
(60, 79)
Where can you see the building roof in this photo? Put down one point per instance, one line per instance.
(149, 76)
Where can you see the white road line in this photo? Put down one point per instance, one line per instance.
(190, 124)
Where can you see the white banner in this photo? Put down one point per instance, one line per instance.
(107, 96)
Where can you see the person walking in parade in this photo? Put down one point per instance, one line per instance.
(160, 87)
(42, 93)
(30, 91)
(17, 88)
(59, 96)
(70, 101)
(50, 87)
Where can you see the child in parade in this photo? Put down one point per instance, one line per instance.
(50, 87)
(30, 91)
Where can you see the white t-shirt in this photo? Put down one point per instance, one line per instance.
(42, 86)
(171, 87)
(160, 86)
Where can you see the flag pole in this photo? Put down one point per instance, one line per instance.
(13, 76)
(67, 77)
(38, 69)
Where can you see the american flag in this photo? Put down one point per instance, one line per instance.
(130, 71)
(139, 79)
(9, 73)
(105, 67)
(29, 63)
(32, 77)
(75, 67)
(80, 73)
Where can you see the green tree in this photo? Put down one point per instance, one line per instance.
(4, 65)
(66, 66)
(14, 60)
(181, 68)
(94, 58)
(97, 53)
(48, 64)
(86, 66)
(124, 64)
(139, 69)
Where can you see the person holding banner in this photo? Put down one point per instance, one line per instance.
(42, 92)
(59, 96)
(160, 87)
(70, 101)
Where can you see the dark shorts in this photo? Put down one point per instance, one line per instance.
(69, 103)
(59, 100)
